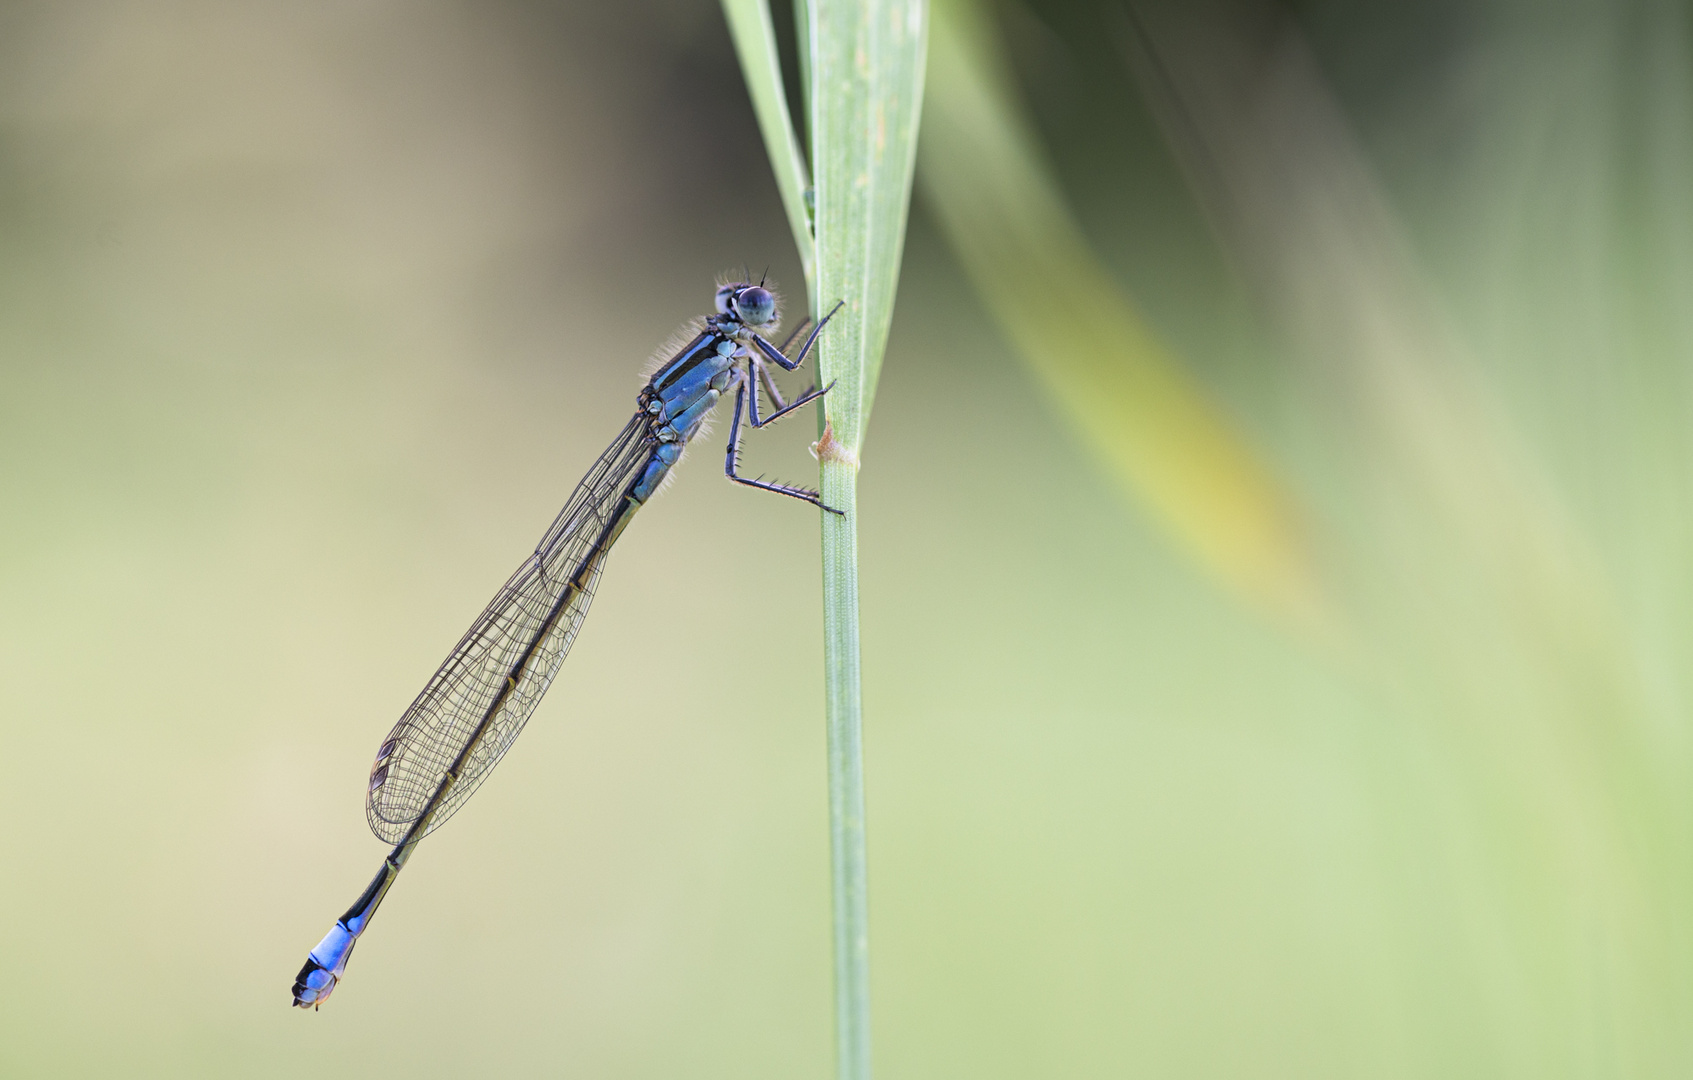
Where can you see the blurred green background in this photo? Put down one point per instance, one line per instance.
(311, 316)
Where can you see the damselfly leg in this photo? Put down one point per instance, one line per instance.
(746, 395)
(771, 352)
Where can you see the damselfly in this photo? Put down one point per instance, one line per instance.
(456, 731)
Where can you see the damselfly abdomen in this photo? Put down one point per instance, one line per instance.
(467, 717)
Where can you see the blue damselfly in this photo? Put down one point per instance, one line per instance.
(456, 731)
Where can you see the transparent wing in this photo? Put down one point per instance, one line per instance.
(532, 617)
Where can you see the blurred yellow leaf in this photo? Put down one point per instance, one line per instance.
(1148, 422)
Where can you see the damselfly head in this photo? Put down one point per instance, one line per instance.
(754, 305)
(757, 306)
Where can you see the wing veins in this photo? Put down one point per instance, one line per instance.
(442, 723)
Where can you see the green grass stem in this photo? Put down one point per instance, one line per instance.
(755, 44)
(863, 63)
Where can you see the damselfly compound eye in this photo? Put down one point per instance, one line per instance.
(755, 305)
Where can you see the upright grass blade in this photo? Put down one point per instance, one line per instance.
(755, 45)
(863, 62)
(866, 69)
(867, 62)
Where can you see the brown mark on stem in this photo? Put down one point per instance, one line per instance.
(827, 449)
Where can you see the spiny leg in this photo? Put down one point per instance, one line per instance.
(767, 378)
(771, 352)
(730, 459)
(763, 370)
(769, 382)
(782, 408)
